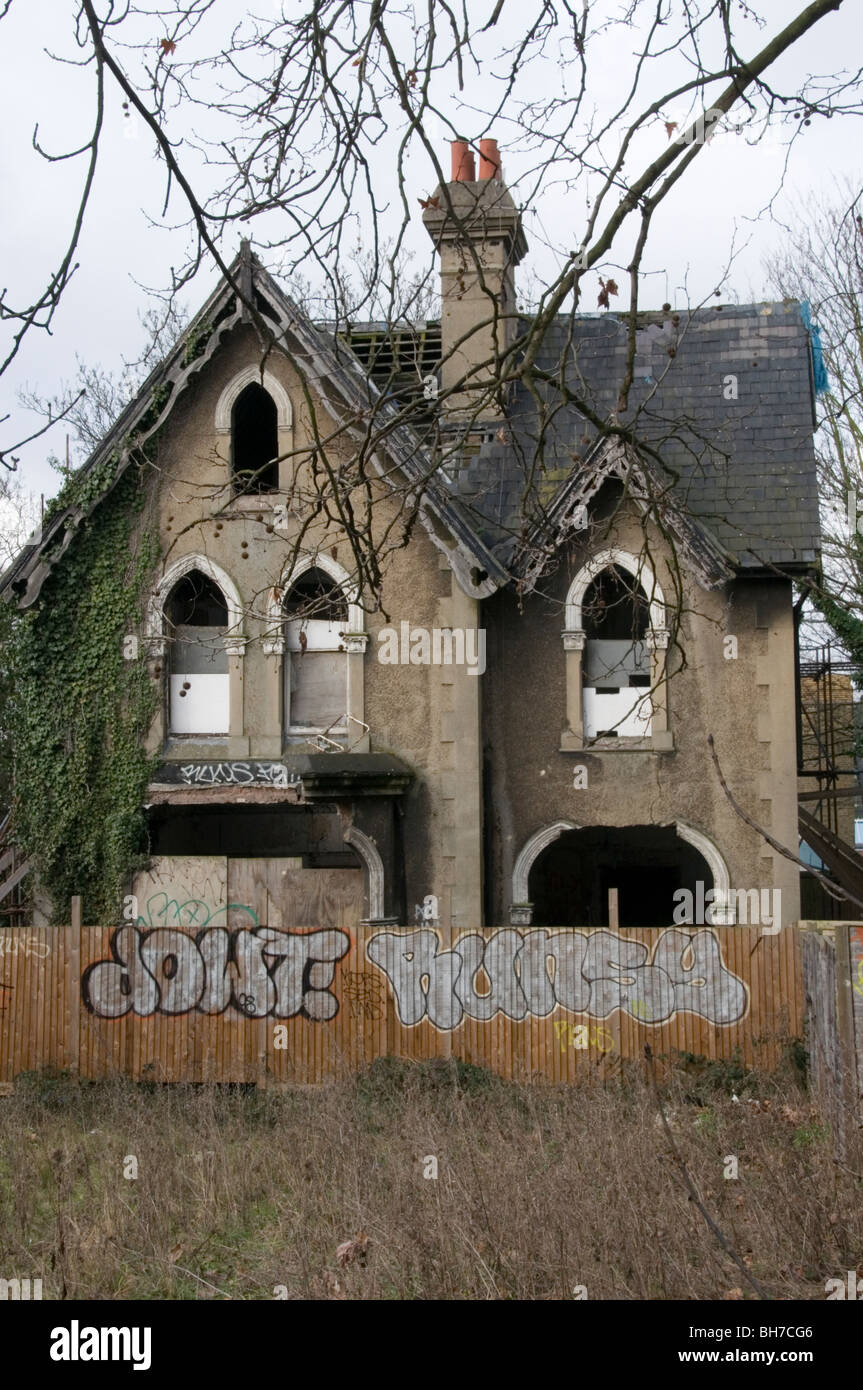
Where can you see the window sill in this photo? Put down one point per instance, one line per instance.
(655, 743)
(251, 502)
(179, 747)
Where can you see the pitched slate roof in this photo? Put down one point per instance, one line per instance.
(744, 467)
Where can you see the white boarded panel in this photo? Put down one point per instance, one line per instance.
(200, 704)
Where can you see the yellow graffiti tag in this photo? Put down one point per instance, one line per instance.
(580, 1036)
(639, 1009)
(858, 983)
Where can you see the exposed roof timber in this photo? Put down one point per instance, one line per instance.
(612, 458)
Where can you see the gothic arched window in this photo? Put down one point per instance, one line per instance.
(255, 441)
(196, 625)
(616, 656)
(316, 620)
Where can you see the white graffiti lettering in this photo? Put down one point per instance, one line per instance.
(239, 774)
(19, 942)
(257, 972)
(533, 972)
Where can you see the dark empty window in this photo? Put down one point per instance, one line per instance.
(316, 595)
(614, 607)
(255, 441)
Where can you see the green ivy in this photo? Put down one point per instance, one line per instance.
(197, 343)
(80, 711)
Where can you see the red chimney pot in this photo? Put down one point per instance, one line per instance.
(489, 160)
(463, 169)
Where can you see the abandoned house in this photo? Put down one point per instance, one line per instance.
(521, 723)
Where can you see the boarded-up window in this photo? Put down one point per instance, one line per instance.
(255, 441)
(198, 682)
(317, 617)
(616, 657)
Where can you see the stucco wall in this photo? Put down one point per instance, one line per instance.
(428, 716)
(747, 704)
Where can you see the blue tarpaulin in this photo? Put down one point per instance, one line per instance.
(819, 371)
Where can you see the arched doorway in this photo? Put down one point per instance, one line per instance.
(569, 880)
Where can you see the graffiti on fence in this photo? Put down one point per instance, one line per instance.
(365, 994)
(257, 972)
(19, 942)
(263, 971)
(534, 972)
(579, 1036)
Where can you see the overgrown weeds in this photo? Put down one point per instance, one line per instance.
(421, 1180)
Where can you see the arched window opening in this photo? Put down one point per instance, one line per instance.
(255, 441)
(617, 656)
(196, 617)
(316, 614)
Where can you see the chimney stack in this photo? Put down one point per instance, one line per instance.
(476, 229)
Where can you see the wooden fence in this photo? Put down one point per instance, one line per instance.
(832, 959)
(238, 1001)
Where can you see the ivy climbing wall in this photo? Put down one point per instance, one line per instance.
(81, 707)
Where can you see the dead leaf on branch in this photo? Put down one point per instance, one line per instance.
(168, 46)
(607, 287)
(670, 128)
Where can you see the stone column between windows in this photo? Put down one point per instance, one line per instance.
(573, 646)
(657, 645)
(460, 775)
(355, 645)
(777, 752)
(156, 666)
(238, 743)
(270, 742)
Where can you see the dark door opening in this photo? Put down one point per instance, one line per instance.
(569, 882)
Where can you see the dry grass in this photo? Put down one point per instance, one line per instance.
(539, 1189)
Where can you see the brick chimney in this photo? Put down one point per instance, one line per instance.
(477, 230)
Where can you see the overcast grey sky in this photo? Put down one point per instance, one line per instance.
(719, 204)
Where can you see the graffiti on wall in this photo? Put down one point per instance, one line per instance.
(259, 972)
(534, 972)
(162, 910)
(237, 775)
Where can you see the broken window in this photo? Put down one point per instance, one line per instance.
(255, 441)
(198, 681)
(316, 613)
(617, 656)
